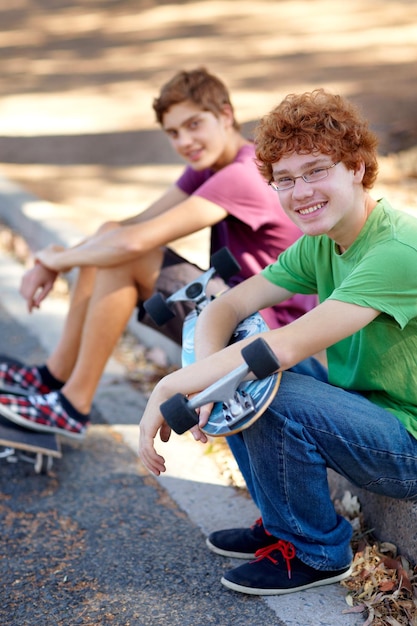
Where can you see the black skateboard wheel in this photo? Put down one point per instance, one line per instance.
(260, 359)
(224, 263)
(158, 310)
(178, 414)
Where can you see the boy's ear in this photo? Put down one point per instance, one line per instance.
(227, 113)
(359, 172)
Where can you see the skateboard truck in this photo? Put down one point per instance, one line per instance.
(180, 412)
(238, 407)
(7, 453)
(21, 444)
(222, 263)
(42, 462)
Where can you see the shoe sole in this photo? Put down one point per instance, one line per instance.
(279, 592)
(21, 421)
(234, 555)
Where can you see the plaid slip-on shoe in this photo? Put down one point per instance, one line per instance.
(51, 413)
(21, 379)
(277, 570)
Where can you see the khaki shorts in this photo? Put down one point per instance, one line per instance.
(176, 272)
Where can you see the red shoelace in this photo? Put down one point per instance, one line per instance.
(285, 547)
(259, 522)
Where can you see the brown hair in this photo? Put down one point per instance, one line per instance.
(317, 122)
(197, 86)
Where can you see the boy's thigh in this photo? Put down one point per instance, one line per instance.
(176, 272)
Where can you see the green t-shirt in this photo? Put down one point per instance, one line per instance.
(379, 271)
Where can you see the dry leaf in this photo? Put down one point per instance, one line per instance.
(382, 584)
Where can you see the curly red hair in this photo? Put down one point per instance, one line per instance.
(317, 122)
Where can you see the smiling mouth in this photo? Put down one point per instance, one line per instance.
(311, 209)
(194, 155)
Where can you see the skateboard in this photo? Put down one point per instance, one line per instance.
(21, 444)
(236, 403)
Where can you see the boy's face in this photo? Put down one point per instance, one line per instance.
(198, 136)
(330, 205)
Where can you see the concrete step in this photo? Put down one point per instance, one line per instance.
(389, 519)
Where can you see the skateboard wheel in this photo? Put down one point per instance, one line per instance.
(178, 414)
(224, 263)
(158, 310)
(260, 359)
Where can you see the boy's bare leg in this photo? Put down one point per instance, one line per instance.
(62, 360)
(115, 295)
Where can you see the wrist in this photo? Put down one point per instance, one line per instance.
(45, 267)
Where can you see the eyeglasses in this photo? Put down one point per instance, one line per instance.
(288, 182)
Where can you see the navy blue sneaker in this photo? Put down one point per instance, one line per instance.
(277, 570)
(241, 543)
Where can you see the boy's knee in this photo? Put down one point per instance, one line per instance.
(107, 227)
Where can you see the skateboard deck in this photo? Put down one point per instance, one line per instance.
(236, 403)
(41, 448)
(251, 398)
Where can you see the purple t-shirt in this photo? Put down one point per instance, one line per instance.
(256, 229)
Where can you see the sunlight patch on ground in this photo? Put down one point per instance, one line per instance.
(134, 52)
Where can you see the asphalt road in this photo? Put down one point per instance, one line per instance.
(99, 542)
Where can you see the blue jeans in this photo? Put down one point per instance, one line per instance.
(309, 427)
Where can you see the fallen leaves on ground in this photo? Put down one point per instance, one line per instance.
(383, 584)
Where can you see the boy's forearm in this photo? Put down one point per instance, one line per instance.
(214, 328)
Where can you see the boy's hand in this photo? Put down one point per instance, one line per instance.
(151, 423)
(36, 285)
(154, 462)
(203, 418)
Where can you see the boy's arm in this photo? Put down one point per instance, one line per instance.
(316, 330)
(321, 327)
(170, 198)
(217, 321)
(139, 236)
(38, 281)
